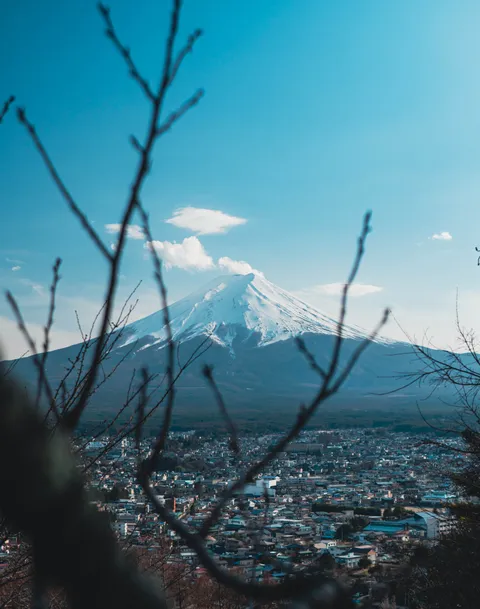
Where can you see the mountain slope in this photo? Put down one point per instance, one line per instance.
(228, 306)
(250, 324)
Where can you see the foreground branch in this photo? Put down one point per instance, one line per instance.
(6, 108)
(43, 494)
(309, 583)
(331, 381)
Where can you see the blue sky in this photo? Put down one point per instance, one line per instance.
(314, 112)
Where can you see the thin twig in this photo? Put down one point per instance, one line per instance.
(33, 348)
(86, 225)
(132, 203)
(188, 48)
(343, 308)
(124, 52)
(43, 490)
(234, 444)
(6, 107)
(48, 327)
(11, 367)
(302, 347)
(288, 589)
(175, 116)
(330, 386)
(200, 350)
(142, 404)
(162, 437)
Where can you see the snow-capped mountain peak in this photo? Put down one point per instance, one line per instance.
(232, 304)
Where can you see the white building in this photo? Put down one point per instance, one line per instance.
(261, 485)
(435, 525)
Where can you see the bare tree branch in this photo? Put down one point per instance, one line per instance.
(188, 48)
(200, 350)
(6, 108)
(124, 52)
(343, 308)
(143, 169)
(12, 365)
(234, 444)
(330, 385)
(43, 380)
(175, 116)
(43, 494)
(86, 225)
(161, 439)
(47, 330)
(287, 590)
(142, 404)
(302, 347)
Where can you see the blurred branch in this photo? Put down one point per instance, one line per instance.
(43, 494)
(332, 380)
(47, 331)
(234, 444)
(13, 364)
(86, 225)
(299, 584)
(6, 108)
(143, 169)
(124, 52)
(142, 404)
(200, 350)
(155, 129)
(162, 437)
(37, 361)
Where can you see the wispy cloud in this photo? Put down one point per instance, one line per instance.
(204, 221)
(237, 267)
(15, 261)
(38, 288)
(134, 231)
(16, 268)
(188, 255)
(356, 289)
(444, 236)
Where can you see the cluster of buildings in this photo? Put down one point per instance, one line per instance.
(346, 498)
(343, 493)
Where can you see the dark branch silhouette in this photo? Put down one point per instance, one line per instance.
(6, 107)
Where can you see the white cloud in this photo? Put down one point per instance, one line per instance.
(444, 236)
(204, 221)
(237, 267)
(16, 268)
(188, 255)
(356, 289)
(134, 231)
(113, 247)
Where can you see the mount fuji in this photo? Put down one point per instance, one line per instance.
(236, 307)
(249, 326)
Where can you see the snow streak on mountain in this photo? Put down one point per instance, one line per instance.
(236, 305)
